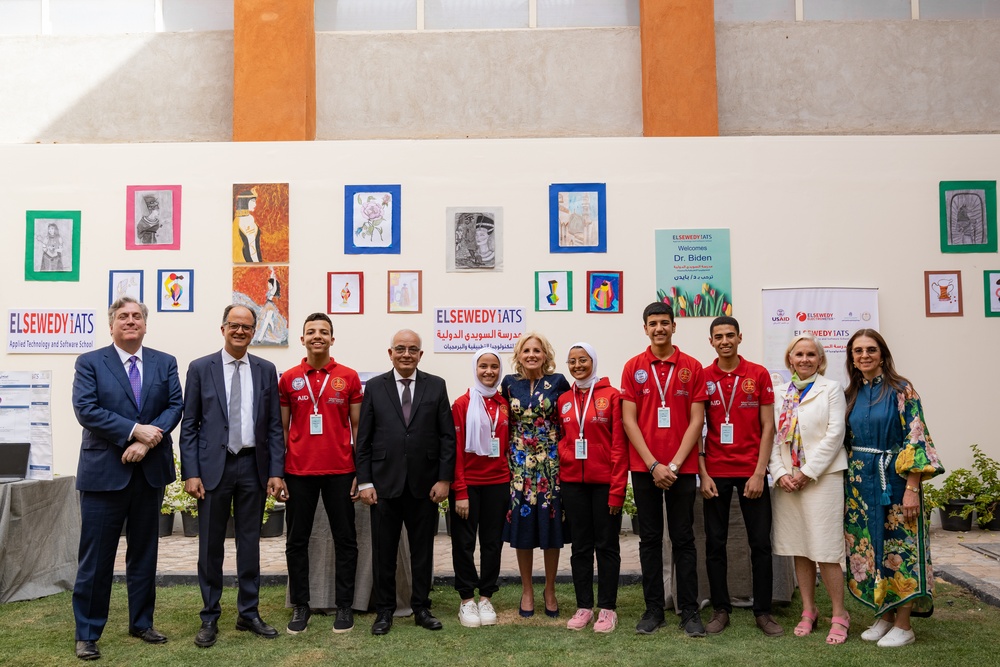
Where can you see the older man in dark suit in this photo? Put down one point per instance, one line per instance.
(405, 465)
(127, 398)
(232, 452)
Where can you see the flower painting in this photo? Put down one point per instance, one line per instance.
(371, 219)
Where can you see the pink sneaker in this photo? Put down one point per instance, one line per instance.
(607, 620)
(580, 620)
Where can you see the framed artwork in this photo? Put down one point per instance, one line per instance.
(968, 216)
(264, 290)
(52, 246)
(577, 217)
(175, 291)
(474, 238)
(124, 283)
(371, 219)
(153, 217)
(260, 223)
(943, 293)
(405, 292)
(991, 291)
(604, 291)
(554, 291)
(345, 293)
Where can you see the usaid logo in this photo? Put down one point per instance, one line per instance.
(780, 316)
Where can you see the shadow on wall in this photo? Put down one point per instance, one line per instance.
(153, 87)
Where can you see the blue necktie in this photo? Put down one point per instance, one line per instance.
(134, 379)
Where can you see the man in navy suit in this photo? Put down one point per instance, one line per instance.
(405, 465)
(127, 398)
(232, 452)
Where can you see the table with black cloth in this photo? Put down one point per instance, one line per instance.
(39, 538)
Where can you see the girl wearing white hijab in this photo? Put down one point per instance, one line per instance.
(593, 454)
(480, 494)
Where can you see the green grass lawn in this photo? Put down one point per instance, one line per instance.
(962, 631)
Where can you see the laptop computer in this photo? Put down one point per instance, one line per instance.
(13, 461)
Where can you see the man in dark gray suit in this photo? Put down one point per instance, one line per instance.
(405, 465)
(127, 398)
(232, 451)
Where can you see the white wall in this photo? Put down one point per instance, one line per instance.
(844, 211)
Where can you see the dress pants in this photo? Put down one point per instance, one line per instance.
(102, 515)
(679, 501)
(300, 510)
(594, 529)
(240, 489)
(488, 506)
(389, 515)
(757, 517)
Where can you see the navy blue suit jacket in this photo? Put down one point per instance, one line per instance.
(205, 428)
(105, 407)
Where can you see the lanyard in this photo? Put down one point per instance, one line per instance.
(310, 388)
(586, 404)
(728, 406)
(662, 390)
(493, 420)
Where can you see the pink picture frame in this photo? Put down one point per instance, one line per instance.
(153, 217)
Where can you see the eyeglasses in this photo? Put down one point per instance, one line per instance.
(870, 351)
(412, 350)
(234, 327)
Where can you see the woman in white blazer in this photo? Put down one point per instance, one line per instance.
(807, 463)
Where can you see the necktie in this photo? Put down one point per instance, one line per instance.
(407, 399)
(134, 379)
(235, 418)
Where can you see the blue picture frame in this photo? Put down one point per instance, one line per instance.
(182, 302)
(365, 210)
(572, 223)
(605, 291)
(123, 282)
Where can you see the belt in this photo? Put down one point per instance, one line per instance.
(246, 451)
(885, 459)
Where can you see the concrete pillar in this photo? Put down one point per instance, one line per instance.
(274, 70)
(679, 93)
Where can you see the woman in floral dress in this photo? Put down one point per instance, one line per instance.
(890, 454)
(535, 518)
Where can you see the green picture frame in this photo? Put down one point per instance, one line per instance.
(991, 293)
(52, 246)
(968, 213)
(553, 291)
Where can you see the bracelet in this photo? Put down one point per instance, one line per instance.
(701, 453)
(652, 467)
(912, 488)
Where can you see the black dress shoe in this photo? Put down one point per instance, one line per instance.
(149, 635)
(425, 619)
(87, 650)
(256, 626)
(383, 623)
(206, 636)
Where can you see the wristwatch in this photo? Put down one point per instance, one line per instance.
(673, 467)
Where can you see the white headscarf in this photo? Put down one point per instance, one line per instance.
(588, 381)
(478, 427)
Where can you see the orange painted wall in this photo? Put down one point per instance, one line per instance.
(679, 90)
(274, 70)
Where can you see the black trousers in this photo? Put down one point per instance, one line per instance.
(488, 506)
(304, 492)
(757, 517)
(595, 529)
(679, 502)
(389, 515)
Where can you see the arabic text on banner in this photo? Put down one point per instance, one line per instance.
(468, 329)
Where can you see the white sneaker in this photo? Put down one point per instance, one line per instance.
(897, 637)
(880, 629)
(487, 615)
(468, 614)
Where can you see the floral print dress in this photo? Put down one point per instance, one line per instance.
(535, 518)
(888, 557)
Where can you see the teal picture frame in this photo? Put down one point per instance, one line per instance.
(968, 216)
(991, 293)
(52, 246)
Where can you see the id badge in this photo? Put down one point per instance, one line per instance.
(581, 448)
(315, 424)
(726, 434)
(663, 417)
(494, 448)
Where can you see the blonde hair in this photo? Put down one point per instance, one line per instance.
(819, 351)
(550, 356)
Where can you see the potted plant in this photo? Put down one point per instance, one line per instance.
(988, 496)
(274, 518)
(443, 511)
(629, 508)
(176, 499)
(953, 497)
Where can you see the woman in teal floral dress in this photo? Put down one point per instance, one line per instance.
(535, 519)
(890, 454)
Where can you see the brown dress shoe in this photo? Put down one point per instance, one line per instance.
(769, 626)
(720, 619)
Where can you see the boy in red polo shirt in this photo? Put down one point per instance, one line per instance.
(663, 394)
(737, 448)
(320, 406)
